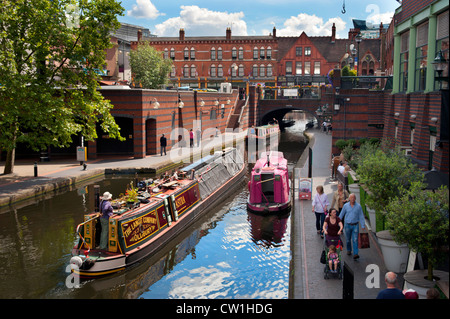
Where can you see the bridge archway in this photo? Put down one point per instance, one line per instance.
(280, 113)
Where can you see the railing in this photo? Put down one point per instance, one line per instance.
(289, 93)
(367, 82)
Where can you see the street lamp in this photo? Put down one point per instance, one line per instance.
(439, 65)
(358, 41)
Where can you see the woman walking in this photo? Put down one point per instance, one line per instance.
(320, 205)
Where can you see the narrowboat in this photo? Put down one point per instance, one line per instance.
(263, 134)
(166, 207)
(269, 190)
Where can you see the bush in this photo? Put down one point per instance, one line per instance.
(341, 144)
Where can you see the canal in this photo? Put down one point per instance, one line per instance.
(228, 253)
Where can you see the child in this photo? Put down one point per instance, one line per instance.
(333, 257)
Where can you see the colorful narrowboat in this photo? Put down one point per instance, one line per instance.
(269, 185)
(166, 208)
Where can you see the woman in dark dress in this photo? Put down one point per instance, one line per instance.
(332, 227)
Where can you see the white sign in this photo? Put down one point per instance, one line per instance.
(290, 92)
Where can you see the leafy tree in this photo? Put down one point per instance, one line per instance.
(419, 218)
(150, 70)
(387, 173)
(50, 54)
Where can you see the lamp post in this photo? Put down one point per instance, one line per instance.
(439, 65)
(358, 41)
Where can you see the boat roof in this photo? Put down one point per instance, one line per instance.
(276, 161)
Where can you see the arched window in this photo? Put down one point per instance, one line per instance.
(241, 53)
(255, 53)
(213, 54)
(241, 70)
(192, 53)
(220, 71)
(173, 72)
(186, 53)
(262, 70)
(262, 53)
(233, 53)
(255, 70)
(213, 71)
(172, 53)
(269, 53)
(166, 54)
(186, 71)
(219, 53)
(269, 70)
(193, 71)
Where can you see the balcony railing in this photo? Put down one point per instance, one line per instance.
(367, 82)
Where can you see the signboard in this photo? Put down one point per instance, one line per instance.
(136, 230)
(290, 92)
(305, 188)
(81, 154)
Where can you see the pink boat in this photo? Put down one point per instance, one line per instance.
(269, 185)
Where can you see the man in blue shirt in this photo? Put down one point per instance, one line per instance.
(354, 215)
(391, 292)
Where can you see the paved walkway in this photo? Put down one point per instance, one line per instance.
(308, 277)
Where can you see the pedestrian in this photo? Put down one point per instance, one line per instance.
(320, 205)
(340, 197)
(198, 133)
(191, 138)
(391, 292)
(106, 212)
(163, 144)
(217, 132)
(332, 228)
(324, 125)
(353, 214)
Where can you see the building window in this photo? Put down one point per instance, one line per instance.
(269, 53)
(220, 71)
(219, 54)
(186, 71)
(234, 53)
(255, 53)
(269, 70)
(213, 71)
(241, 70)
(192, 54)
(166, 54)
(173, 72)
(298, 68)
(186, 53)
(442, 44)
(317, 68)
(432, 147)
(233, 70)
(307, 51)
(213, 54)
(241, 53)
(307, 67)
(298, 51)
(172, 53)
(262, 53)
(262, 70)
(404, 50)
(193, 71)
(421, 57)
(255, 70)
(288, 67)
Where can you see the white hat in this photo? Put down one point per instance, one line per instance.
(107, 196)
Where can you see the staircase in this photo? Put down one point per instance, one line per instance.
(233, 123)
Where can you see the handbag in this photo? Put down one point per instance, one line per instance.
(324, 210)
(363, 241)
(323, 257)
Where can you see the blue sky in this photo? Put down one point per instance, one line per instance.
(256, 17)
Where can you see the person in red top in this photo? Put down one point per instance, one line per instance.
(191, 137)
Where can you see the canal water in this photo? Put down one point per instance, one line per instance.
(229, 253)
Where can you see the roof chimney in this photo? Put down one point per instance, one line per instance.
(228, 33)
(333, 33)
(274, 33)
(139, 36)
(181, 34)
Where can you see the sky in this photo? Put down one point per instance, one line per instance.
(255, 17)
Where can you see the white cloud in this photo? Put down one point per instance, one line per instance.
(198, 21)
(144, 9)
(312, 25)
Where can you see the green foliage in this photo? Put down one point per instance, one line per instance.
(50, 53)
(150, 70)
(341, 144)
(387, 173)
(346, 71)
(419, 218)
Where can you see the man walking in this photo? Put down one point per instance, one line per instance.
(391, 292)
(353, 214)
(163, 144)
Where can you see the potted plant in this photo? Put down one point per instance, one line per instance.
(419, 218)
(131, 195)
(387, 173)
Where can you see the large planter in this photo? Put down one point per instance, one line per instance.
(416, 280)
(354, 189)
(372, 218)
(395, 255)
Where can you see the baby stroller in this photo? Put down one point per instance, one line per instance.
(336, 241)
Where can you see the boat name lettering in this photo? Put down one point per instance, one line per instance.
(136, 230)
(180, 201)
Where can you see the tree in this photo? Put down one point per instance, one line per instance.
(148, 67)
(419, 218)
(386, 172)
(50, 54)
